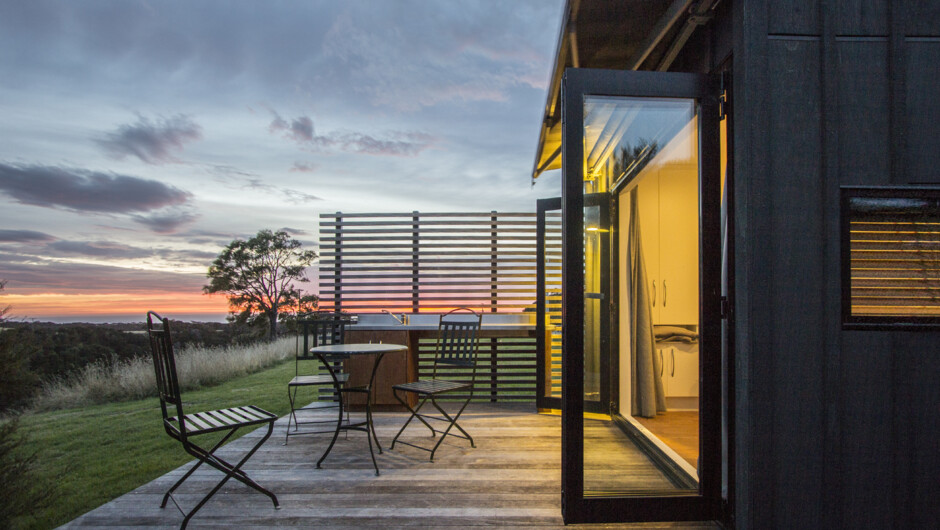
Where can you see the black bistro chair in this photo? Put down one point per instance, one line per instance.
(454, 372)
(186, 427)
(322, 331)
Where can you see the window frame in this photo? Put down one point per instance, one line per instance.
(875, 322)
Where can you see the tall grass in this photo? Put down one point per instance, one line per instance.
(197, 366)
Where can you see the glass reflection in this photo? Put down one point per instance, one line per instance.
(647, 149)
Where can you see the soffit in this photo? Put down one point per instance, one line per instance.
(626, 34)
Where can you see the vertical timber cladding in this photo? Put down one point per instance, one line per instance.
(430, 263)
(837, 428)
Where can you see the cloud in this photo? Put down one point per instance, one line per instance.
(235, 178)
(394, 143)
(299, 129)
(291, 195)
(24, 236)
(99, 249)
(152, 142)
(87, 191)
(399, 143)
(303, 167)
(408, 57)
(59, 276)
(166, 222)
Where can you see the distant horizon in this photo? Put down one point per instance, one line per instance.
(120, 318)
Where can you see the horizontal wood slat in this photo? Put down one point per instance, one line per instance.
(427, 262)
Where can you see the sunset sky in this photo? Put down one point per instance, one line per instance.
(140, 137)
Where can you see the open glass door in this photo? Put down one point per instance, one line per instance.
(597, 249)
(649, 143)
(548, 304)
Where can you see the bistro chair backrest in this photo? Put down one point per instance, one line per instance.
(458, 337)
(321, 332)
(164, 364)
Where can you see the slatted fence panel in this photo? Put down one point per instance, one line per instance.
(433, 262)
(427, 262)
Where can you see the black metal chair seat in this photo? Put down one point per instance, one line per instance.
(187, 427)
(432, 386)
(219, 420)
(457, 343)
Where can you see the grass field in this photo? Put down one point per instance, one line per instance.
(96, 453)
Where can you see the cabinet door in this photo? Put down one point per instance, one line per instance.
(682, 372)
(678, 245)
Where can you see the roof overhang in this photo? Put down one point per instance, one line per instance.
(622, 35)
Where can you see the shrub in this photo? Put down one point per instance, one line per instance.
(21, 490)
(17, 382)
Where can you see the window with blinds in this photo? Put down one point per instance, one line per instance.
(891, 256)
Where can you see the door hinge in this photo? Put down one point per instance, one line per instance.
(725, 307)
(723, 98)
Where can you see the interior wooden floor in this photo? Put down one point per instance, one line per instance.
(678, 429)
(511, 479)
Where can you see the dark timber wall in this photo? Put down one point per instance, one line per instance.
(835, 429)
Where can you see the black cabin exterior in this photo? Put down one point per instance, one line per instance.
(819, 420)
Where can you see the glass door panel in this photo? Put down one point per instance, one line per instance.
(643, 328)
(548, 304)
(650, 150)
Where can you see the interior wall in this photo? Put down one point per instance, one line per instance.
(834, 428)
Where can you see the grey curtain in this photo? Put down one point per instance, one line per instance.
(648, 394)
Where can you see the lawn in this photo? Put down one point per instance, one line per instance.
(94, 454)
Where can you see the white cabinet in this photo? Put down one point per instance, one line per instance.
(680, 369)
(668, 209)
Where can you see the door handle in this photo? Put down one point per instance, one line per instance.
(660, 363)
(672, 352)
(664, 293)
(654, 293)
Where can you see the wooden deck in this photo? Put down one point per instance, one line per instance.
(512, 478)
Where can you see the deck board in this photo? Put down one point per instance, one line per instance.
(512, 478)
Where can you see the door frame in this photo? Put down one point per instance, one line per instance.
(608, 391)
(706, 503)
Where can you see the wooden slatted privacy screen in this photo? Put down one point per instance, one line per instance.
(433, 262)
(893, 237)
(427, 262)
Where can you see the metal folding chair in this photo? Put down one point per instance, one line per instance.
(458, 340)
(329, 329)
(184, 427)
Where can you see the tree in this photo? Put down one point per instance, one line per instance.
(17, 380)
(259, 277)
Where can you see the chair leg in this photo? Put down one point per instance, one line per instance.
(452, 423)
(231, 471)
(202, 456)
(414, 414)
(290, 398)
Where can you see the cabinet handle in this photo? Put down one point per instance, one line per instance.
(660, 363)
(654, 293)
(664, 293)
(672, 351)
